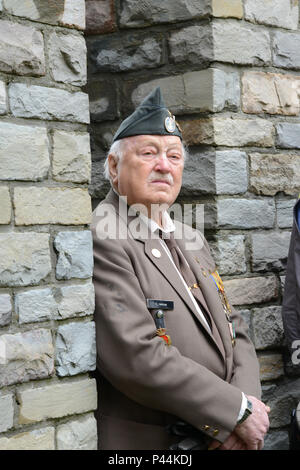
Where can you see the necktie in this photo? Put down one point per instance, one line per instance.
(191, 281)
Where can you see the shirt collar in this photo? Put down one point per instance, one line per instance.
(167, 223)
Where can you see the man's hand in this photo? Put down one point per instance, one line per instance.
(249, 435)
(252, 431)
(233, 442)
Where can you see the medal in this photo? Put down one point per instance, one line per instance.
(225, 303)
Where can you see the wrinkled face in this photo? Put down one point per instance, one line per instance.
(150, 171)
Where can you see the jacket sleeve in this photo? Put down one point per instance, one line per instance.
(246, 367)
(140, 364)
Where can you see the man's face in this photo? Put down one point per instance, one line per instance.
(150, 171)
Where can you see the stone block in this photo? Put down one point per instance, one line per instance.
(134, 52)
(226, 90)
(100, 17)
(24, 153)
(271, 93)
(211, 89)
(270, 250)
(75, 348)
(57, 400)
(285, 212)
(32, 101)
(37, 205)
(198, 131)
(35, 305)
(192, 45)
(70, 13)
(240, 43)
(271, 367)
(71, 157)
(29, 356)
(267, 328)
(243, 132)
(135, 13)
(5, 310)
(67, 58)
(277, 440)
(246, 213)
(199, 174)
(271, 173)
(75, 255)
(173, 92)
(104, 103)
(24, 258)
(74, 14)
(21, 49)
(55, 303)
(3, 98)
(286, 50)
(231, 172)
(37, 439)
(251, 290)
(5, 205)
(6, 412)
(74, 301)
(281, 13)
(78, 434)
(228, 9)
(229, 254)
(281, 398)
(288, 135)
(99, 186)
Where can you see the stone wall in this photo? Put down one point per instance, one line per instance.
(47, 334)
(229, 70)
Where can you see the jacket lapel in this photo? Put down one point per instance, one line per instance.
(211, 296)
(168, 270)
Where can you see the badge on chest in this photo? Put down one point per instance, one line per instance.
(157, 307)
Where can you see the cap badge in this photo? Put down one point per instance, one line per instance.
(170, 123)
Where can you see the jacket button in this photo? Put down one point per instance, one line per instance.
(206, 427)
(215, 432)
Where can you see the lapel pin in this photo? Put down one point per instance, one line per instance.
(156, 253)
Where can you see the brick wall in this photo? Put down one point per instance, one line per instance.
(229, 70)
(47, 334)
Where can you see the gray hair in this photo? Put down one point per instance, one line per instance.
(116, 150)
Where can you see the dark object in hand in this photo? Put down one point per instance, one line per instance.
(193, 439)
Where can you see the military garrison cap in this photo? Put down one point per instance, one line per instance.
(150, 117)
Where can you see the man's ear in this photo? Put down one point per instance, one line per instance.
(113, 162)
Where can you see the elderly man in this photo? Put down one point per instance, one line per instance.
(169, 345)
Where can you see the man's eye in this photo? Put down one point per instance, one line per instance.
(147, 153)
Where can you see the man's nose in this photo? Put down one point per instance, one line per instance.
(162, 163)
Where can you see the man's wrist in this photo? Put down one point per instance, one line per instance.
(247, 412)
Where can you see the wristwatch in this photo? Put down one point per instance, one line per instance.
(247, 412)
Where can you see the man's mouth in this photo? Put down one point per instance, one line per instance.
(160, 182)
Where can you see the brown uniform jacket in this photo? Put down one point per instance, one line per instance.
(144, 384)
